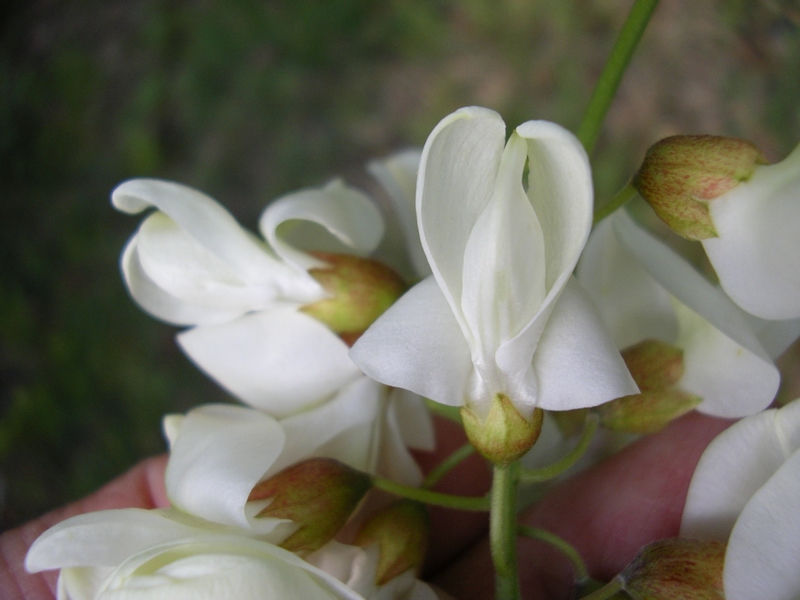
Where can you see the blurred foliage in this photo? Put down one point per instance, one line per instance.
(250, 100)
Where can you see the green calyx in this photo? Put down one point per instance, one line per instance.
(359, 291)
(681, 174)
(504, 435)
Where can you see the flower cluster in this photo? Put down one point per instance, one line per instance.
(515, 307)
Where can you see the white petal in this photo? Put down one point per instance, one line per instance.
(417, 345)
(755, 255)
(161, 304)
(775, 336)
(560, 189)
(413, 420)
(576, 363)
(683, 282)
(280, 361)
(398, 176)
(349, 219)
(731, 380)
(763, 556)
(220, 453)
(633, 306)
(734, 466)
(202, 218)
(503, 284)
(220, 567)
(103, 538)
(310, 433)
(456, 180)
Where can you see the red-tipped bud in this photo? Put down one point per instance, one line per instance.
(319, 494)
(676, 569)
(655, 367)
(504, 435)
(359, 291)
(682, 173)
(401, 531)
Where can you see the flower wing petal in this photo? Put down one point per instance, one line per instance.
(417, 345)
(576, 363)
(734, 466)
(456, 180)
(755, 255)
(280, 361)
(763, 556)
(220, 452)
(349, 219)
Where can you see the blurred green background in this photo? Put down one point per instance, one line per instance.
(248, 101)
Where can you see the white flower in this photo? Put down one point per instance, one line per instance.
(755, 253)
(155, 555)
(190, 263)
(646, 291)
(745, 490)
(501, 314)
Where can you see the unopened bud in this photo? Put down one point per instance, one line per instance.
(676, 569)
(504, 435)
(682, 173)
(359, 291)
(401, 531)
(655, 367)
(319, 494)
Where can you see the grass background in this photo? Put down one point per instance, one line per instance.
(249, 100)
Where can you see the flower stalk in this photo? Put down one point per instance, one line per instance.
(503, 531)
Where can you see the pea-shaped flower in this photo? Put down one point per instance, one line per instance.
(745, 491)
(501, 322)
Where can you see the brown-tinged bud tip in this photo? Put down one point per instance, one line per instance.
(401, 531)
(676, 569)
(359, 291)
(655, 367)
(319, 494)
(682, 173)
(504, 435)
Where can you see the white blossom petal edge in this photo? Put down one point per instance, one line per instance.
(502, 258)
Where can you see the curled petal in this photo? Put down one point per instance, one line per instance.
(280, 361)
(219, 454)
(417, 345)
(352, 220)
(160, 303)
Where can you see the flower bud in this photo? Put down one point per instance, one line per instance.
(401, 531)
(319, 494)
(682, 173)
(359, 291)
(676, 569)
(504, 435)
(655, 367)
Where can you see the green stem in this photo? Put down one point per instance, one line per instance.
(611, 76)
(503, 532)
(623, 196)
(453, 413)
(447, 464)
(477, 503)
(554, 470)
(607, 591)
(581, 574)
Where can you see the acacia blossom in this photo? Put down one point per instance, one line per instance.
(501, 313)
(745, 491)
(645, 291)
